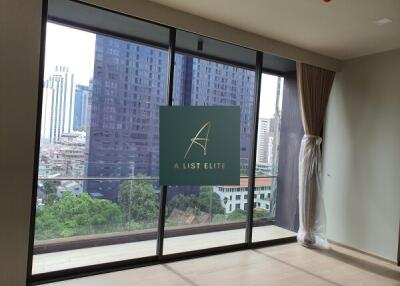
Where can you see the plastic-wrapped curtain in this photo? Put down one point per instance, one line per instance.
(314, 85)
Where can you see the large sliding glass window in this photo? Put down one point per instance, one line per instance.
(98, 190)
(271, 176)
(98, 198)
(267, 160)
(207, 75)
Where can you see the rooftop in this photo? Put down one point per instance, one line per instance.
(259, 182)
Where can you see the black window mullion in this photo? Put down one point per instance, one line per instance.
(37, 139)
(252, 161)
(170, 89)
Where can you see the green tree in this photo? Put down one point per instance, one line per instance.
(138, 201)
(47, 225)
(182, 202)
(260, 213)
(81, 215)
(50, 192)
(237, 214)
(209, 202)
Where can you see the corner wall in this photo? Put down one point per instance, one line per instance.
(361, 168)
(20, 30)
(291, 133)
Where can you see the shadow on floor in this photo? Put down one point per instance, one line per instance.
(297, 267)
(183, 277)
(362, 264)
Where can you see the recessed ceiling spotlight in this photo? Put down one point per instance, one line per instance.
(383, 21)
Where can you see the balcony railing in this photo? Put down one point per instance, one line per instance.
(94, 240)
(118, 237)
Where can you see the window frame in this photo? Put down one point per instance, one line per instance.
(159, 257)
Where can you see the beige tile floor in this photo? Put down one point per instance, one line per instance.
(95, 255)
(289, 264)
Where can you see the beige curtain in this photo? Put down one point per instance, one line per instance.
(314, 85)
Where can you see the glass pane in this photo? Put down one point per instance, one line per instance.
(98, 191)
(269, 125)
(202, 217)
(265, 188)
(210, 216)
(74, 228)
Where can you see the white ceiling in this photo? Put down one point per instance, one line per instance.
(341, 29)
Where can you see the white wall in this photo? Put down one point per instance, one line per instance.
(20, 23)
(162, 14)
(361, 177)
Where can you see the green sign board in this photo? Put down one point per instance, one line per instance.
(199, 145)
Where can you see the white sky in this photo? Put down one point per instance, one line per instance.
(268, 95)
(75, 49)
(72, 48)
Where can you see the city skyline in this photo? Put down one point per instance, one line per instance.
(118, 105)
(58, 105)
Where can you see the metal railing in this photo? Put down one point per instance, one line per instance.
(93, 240)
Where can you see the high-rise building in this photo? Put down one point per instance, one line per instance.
(268, 135)
(82, 94)
(200, 82)
(57, 106)
(129, 85)
(267, 145)
(263, 140)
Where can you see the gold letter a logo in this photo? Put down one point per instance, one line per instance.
(201, 141)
